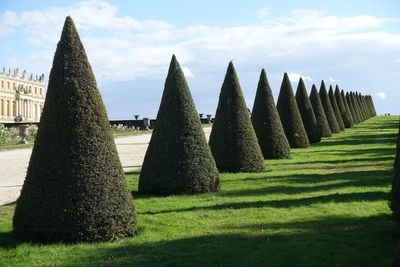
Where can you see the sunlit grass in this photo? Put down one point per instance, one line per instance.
(325, 206)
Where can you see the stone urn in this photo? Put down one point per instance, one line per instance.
(209, 118)
(146, 124)
(23, 133)
(136, 117)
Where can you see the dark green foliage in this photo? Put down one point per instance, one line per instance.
(307, 113)
(233, 141)
(178, 159)
(290, 116)
(335, 107)
(350, 104)
(342, 108)
(319, 113)
(267, 124)
(330, 114)
(394, 202)
(347, 107)
(366, 107)
(361, 107)
(74, 189)
(372, 106)
(397, 158)
(356, 108)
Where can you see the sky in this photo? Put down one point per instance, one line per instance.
(353, 43)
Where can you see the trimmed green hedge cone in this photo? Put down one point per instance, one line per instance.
(178, 159)
(75, 190)
(394, 202)
(342, 108)
(267, 124)
(335, 107)
(307, 113)
(233, 141)
(347, 108)
(290, 116)
(319, 113)
(397, 158)
(365, 104)
(364, 112)
(351, 108)
(356, 108)
(330, 114)
(361, 107)
(372, 105)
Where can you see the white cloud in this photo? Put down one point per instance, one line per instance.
(123, 48)
(295, 77)
(333, 80)
(381, 95)
(188, 73)
(263, 13)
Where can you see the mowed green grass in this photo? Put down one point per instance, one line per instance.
(325, 206)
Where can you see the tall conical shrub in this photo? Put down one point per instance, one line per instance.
(351, 108)
(178, 159)
(394, 202)
(335, 107)
(361, 108)
(319, 113)
(354, 104)
(364, 111)
(397, 157)
(233, 141)
(74, 189)
(367, 110)
(307, 113)
(330, 114)
(347, 108)
(267, 124)
(342, 108)
(290, 116)
(371, 101)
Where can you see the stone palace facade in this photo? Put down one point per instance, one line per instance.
(21, 96)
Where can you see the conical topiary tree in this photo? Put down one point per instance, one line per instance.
(290, 116)
(369, 105)
(307, 113)
(233, 141)
(347, 107)
(335, 107)
(358, 104)
(178, 159)
(319, 112)
(351, 108)
(371, 101)
(267, 124)
(354, 104)
(330, 114)
(397, 157)
(394, 202)
(367, 110)
(74, 189)
(362, 111)
(342, 108)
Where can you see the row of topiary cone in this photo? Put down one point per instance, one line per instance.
(75, 189)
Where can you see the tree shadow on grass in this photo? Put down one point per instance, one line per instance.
(383, 176)
(326, 241)
(285, 203)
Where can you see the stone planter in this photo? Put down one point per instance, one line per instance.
(146, 124)
(209, 118)
(23, 133)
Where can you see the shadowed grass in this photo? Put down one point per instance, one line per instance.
(324, 206)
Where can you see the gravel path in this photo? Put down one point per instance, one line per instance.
(14, 163)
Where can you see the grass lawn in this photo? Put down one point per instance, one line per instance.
(325, 206)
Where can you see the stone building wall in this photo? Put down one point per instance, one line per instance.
(21, 96)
